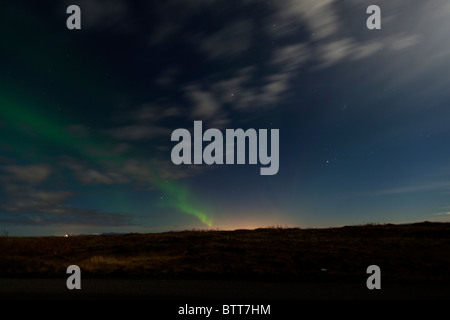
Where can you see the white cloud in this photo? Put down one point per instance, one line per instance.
(401, 42)
(28, 199)
(33, 174)
(445, 213)
(205, 104)
(88, 175)
(318, 15)
(276, 85)
(364, 50)
(228, 90)
(336, 51)
(442, 185)
(291, 57)
(230, 41)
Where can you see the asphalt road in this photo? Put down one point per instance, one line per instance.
(153, 289)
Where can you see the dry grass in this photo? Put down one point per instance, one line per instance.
(414, 252)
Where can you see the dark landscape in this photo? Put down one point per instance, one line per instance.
(408, 255)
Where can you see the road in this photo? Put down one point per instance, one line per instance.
(153, 289)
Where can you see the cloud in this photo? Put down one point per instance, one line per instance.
(66, 216)
(92, 176)
(79, 130)
(205, 105)
(139, 132)
(171, 16)
(335, 38)
(27, 199)
(332, 39)
(230, 41)
(365, 50)
(402, 42)
(114, 15)
(442, 185)
(445, 213)
(33, 174)
(145, 122)
(271, 92)
(136, 172)
(318, 15)
(234, 89)
(25, 204)
(291, 57)
(246, 92)
(167, 77)
(147, 173)
(152, 113)
(335, 51)
(88, 175)
(163, 33)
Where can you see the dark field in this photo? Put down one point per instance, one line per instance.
(405, 254)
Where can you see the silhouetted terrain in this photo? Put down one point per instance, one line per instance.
(405, 253)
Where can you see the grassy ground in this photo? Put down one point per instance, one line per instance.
(404, 253)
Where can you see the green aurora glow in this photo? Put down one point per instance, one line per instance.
(29, 125)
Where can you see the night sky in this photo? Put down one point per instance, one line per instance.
(86, 116)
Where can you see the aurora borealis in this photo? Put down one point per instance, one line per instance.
(29, 125)
(86, 115)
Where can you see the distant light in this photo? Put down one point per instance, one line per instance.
(66, 235)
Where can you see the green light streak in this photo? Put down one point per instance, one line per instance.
(30, 127)
(179, 196)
